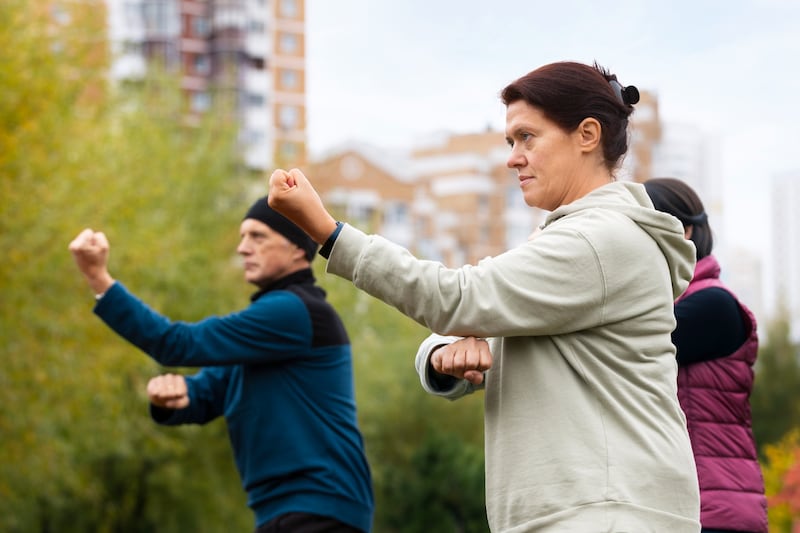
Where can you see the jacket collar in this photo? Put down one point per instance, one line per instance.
(304, 276)
(707, 267)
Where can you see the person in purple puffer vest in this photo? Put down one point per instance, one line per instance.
(717, 345)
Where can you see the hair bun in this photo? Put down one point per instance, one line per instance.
(630, 94)
(627, 95)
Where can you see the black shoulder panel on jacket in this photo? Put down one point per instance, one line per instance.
(326, 323)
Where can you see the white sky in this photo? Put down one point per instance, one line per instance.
(389, 72)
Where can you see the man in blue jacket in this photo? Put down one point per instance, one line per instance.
(279, 371)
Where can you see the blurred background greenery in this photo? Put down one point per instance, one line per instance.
(78, 451)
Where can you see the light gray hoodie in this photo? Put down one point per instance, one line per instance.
(582, 423)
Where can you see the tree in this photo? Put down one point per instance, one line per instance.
(445, 475)
(78, 450)
(780, 468)
(774, 401)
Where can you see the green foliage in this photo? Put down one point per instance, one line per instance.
(774, 401)
(446, 478)
(79, 451)
(776, 422)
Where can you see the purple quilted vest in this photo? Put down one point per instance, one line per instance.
(715, 397)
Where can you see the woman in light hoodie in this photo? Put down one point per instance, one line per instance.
(583, 427)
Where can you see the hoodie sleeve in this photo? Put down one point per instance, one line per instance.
(553, 283)
(446, 386)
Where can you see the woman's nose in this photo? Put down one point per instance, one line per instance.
(515, 159)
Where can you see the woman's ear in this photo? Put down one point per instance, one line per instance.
(589, 131)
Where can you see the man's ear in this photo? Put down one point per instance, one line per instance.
(589, 131)
(299, 253)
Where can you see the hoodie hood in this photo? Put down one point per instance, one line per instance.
(631, 200)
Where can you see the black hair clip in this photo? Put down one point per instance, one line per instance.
(695, 220)
(627, 95)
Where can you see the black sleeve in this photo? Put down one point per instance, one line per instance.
(327, 248)
(709, 325)
(441, 382)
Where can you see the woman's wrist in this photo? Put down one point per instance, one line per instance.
(324, 230)
(325, 251)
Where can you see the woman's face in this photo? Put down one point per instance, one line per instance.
(547, 159)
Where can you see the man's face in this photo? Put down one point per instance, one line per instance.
(267, 255)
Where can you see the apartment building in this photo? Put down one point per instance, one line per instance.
(247, 53)
(786, 247)
(451, 198)
(646, 135)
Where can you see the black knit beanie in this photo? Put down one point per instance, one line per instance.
(261, 211)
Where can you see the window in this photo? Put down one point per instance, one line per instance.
(200, 27)
(201, 101)
(252, 137)
(360, 211)
(202, 65)
(288, 43)
(132, 47)
(156, 17)
(256, 26)
(254, 99)
(289, 8)
(228, 15)
(288, 79)
(396, 213)
(289, 117)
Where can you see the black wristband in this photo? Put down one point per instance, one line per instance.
(325, 251)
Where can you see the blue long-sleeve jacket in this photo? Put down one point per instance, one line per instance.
(280, 372)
